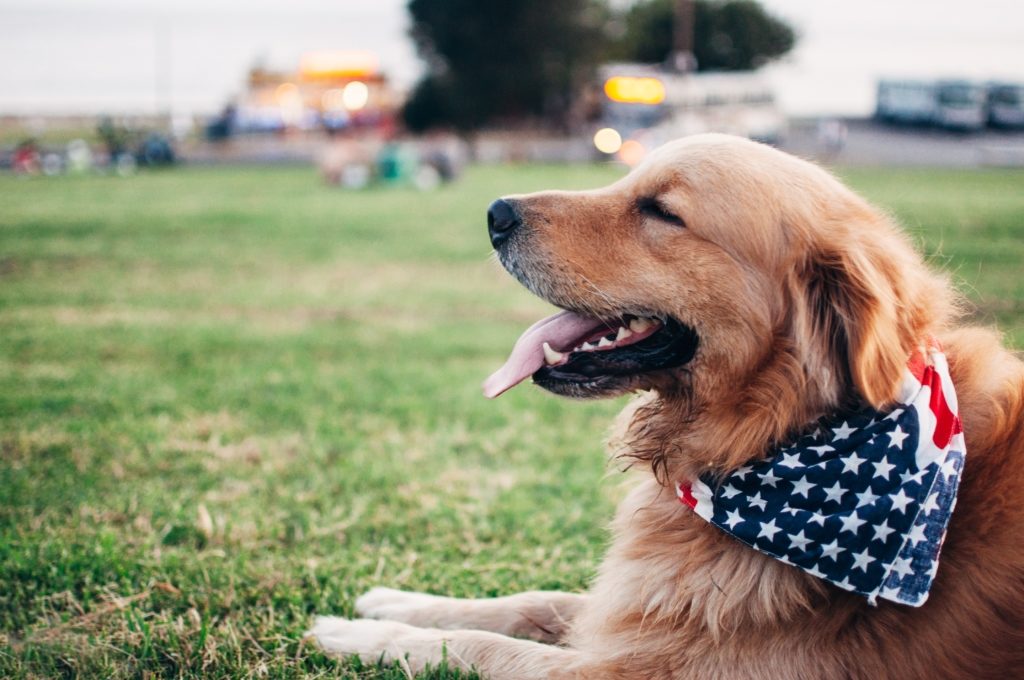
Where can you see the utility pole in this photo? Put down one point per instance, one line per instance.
(162, 69)
(683, 59)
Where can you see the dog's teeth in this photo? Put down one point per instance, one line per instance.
(552, 356)
(605, 342)
(640, 325)
(623, 333)
(586, 347)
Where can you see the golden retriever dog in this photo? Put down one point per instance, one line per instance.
(746, 295)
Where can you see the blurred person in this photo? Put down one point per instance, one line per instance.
(222, 127)
(396, 162)
(349, 159)
(444, 152)
(26, 159)
(114, 137)
(52, 164)
(156, 151)
(831, 137)
(79, 155)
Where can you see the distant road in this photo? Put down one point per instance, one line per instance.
(871, 143)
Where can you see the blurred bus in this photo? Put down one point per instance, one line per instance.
(643, 106)
(1006, 105)
(949, 104)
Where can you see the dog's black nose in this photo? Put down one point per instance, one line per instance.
(502, 220)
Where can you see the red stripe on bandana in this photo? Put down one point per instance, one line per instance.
(684, 491)
(947, 423)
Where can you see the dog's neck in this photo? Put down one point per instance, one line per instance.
(741, 424)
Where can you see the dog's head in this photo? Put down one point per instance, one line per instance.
(741, 284)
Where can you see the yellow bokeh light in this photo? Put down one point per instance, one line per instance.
(607, 140)
(632, 152)
(286, 93)
(355, 95)
(631, 90)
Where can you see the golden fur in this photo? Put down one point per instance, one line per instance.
(805, 297)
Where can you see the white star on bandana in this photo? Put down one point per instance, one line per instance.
(843, 432)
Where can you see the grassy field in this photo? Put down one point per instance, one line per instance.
(231, 399)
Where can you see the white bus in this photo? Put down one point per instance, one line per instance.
(950, 104)
(643, 106)
(1006, 105)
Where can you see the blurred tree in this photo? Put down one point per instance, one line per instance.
(733, 35)
(502, 59)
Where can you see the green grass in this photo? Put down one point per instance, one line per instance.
(231, 399)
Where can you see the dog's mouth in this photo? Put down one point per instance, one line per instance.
(580, 356)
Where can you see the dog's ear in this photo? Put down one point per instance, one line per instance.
(856, 312)
(872, 300)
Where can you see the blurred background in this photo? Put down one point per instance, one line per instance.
(227, 82)
(247, 297)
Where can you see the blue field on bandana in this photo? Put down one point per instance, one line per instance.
(847, 503)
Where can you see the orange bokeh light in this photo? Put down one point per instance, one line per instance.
(632, 152)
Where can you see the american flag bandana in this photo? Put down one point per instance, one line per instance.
(862, 501)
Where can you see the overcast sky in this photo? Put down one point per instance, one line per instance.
(95, 55)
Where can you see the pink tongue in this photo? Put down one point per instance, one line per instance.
(528, 354)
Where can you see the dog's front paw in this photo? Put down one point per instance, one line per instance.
(394, 605)
(370, 640)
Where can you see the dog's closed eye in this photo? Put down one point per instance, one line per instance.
(653, 208)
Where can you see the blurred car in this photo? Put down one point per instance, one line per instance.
(155, 150)
(1006, 105)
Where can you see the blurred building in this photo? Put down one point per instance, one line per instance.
(333, 90)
